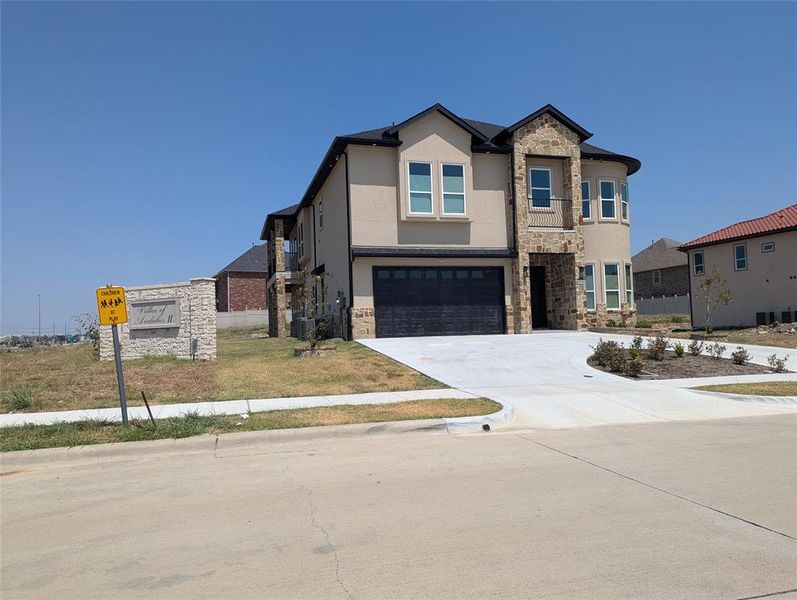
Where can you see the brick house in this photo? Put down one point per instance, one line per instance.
(661, 269)
(241, 285)
(441, 225)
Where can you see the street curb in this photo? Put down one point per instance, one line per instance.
(213, 444)
(496, 420)
(781, 400)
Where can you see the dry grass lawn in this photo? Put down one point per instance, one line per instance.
(63, 378)
(30, 437)
(769, 388)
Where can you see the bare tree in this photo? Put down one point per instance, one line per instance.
(715, 291)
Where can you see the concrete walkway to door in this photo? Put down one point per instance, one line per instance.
(545, 379)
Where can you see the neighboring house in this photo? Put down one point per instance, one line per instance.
(241, 285)
(660, 270)
(758, 259)
(442, 225)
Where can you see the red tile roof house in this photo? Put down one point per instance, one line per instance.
(241, 285)
(758, 259)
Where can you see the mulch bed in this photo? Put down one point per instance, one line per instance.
(688, 366)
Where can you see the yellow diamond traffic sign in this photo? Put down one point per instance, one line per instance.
(111, 305)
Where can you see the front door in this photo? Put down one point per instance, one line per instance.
(539, 308)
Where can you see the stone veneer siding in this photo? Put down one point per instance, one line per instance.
(197, 300)
(277, 294)
(547, 137)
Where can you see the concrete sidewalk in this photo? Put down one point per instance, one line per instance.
(230, 407)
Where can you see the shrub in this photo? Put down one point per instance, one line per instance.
(696, 348)
(608, 354)
(633, 367)
(611, 323)
(636, 343)
(657, 347)
(717, 350)
(678, 348)
(778, 364)
(633, 353)
(740, 356)
(617, 361)
(643, 324)
(677, 319)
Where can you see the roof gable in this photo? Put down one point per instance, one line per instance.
(253, 260)
(661, 254)
(439, 108)
(784, 219)
(549, 109)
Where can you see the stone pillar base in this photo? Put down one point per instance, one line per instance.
(363, 323)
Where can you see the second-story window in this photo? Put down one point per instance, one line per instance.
(740, 257)
(420, 188)
(608, 207)
(453, 189)
(586, 200)
(697, 261)
(300, 245)
(540, 188)
(624, 201)
(321, 214)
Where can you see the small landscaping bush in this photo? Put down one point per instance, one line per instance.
(636, 343)
(777, 364)
(677, 319)
(657, 347)
(696, 348)
(611, 323)
(678, 348)
(633, 353)
(740, 356)
(609, 354)
(717, 350)
(643, 324)
(633, 367)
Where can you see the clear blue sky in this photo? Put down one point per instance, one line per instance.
(145, 142)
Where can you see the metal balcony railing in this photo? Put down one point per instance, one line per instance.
(291, 261)
(551, 212)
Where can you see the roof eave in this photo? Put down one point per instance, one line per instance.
(582, 133)
(446, 113)
(691, 245)
(633, 164)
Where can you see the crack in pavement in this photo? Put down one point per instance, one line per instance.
(314, 522)
(658, 489)
(791, 591)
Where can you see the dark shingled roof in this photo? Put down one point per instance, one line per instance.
(487, 137)
(253, 260)
(661, 254)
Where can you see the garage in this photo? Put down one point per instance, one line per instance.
(417, 301)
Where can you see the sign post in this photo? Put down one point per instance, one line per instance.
(112, 309)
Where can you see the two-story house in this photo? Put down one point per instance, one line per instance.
(441, 225)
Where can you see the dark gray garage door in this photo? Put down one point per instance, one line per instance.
(438, 301)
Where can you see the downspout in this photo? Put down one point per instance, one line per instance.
(351, 257)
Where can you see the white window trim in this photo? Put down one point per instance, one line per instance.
(320, 215)
(628, 276)
(601, 199)
(702, 264)
(589, 200)
(606, 290)
(430, 192)
(549, 188)
(772, 247)
(593, 290)
(443, 193)
(746, 259)
(625, 203)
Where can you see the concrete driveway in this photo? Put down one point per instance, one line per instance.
(545, 379)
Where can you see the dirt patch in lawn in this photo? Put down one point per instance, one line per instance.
(687, 366)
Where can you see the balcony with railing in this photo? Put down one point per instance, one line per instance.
(555, 213)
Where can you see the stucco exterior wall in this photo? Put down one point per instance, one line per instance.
(378, 178)
(197, 322)
(768, 285)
